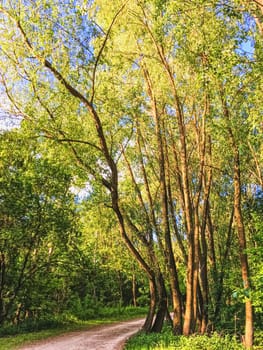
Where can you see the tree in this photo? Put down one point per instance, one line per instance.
(131, 90)
(37, 221)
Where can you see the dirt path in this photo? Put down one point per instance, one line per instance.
(108, 337)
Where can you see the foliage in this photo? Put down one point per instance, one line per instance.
(167, 341)
(153, 109)
(46, 268)
(37, 212)
(256, 256)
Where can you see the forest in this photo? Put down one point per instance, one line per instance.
(131, 161)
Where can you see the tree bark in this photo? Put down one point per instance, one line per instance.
(167, 250)
(219, 276)
(152, 307)
(249, 332)
(161, 305)
(239, 221)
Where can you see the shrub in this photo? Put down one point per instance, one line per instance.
(167, 341)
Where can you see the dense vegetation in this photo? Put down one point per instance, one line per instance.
(51, 262)
(134, 175)
(166, 340)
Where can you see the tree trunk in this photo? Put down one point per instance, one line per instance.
(188, 316)
(249, 332)
(161, 305)
(167, 249)
(203, 277)
(134, 299)
(219, 276)
(152, 307)
(248, 340)
(188, 206)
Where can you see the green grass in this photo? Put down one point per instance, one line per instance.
(13, 337)
(167, 341)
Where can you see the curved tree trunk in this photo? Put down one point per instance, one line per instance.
(162, 304)
(152, 307)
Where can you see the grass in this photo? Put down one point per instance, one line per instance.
(167, 341)
(13, 337)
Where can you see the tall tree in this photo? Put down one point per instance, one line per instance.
(131, 90)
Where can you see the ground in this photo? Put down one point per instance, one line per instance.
(107, 337)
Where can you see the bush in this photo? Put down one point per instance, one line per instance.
(167, 341)
(31, 325)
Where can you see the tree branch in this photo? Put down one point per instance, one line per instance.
(102, 48)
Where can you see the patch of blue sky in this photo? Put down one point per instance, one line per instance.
(8, 122)
(247, 48)
(125, 120)
(170, 110)
(82, 193)
(246, 43)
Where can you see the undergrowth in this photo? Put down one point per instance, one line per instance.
(167, 341)
(13, 336)
(68, 320)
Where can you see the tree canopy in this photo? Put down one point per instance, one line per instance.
(155, 107)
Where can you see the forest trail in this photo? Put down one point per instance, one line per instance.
(106, 337)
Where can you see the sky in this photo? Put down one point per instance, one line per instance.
(8, 122)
